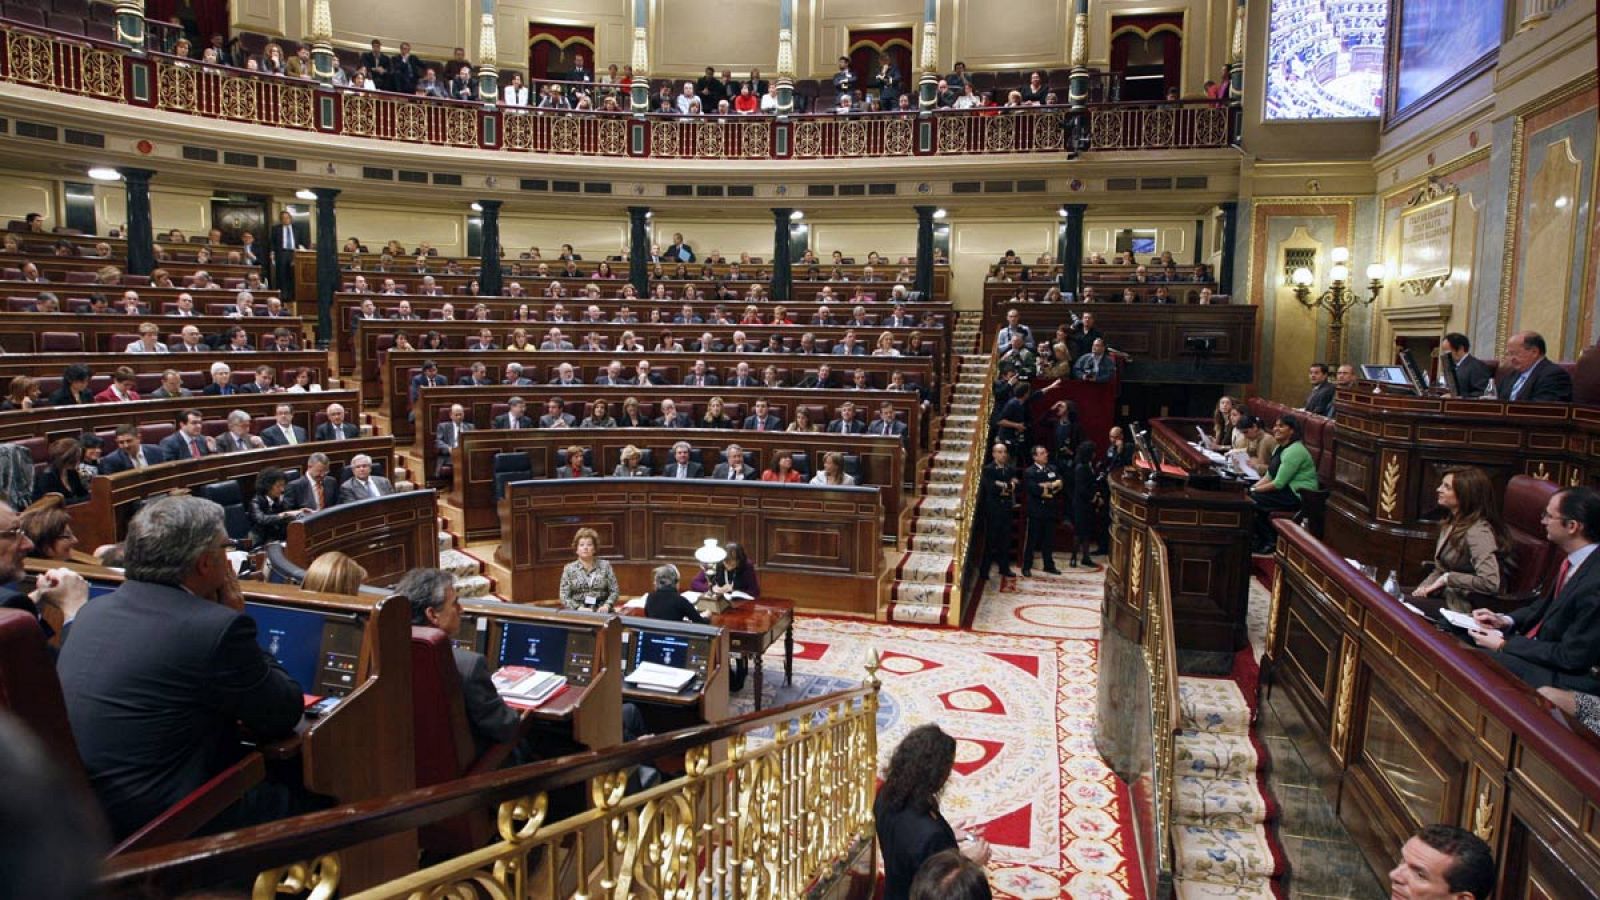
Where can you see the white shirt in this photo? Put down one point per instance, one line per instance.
(516, 96)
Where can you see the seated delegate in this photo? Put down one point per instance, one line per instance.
(1290, 472)
(1471, 544)
(665, 602)
(1555, 641)
(588, 582)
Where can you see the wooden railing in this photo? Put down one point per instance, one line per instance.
(750, 816)
(104, 71)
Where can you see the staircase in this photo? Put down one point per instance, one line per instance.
(926, 576)
(471, 583)
(1224, 821)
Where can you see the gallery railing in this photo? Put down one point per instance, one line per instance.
(770, 804)
(105, 71)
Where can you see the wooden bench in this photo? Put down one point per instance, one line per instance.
(389, 536)
(44, 332)
(195, 367)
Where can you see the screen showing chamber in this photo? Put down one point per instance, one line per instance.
(293, 637)
(1386, 374)
(542, 647)
(1325, 59)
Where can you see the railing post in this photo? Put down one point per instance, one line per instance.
(141, 233)
(639, 248)
(130, 24)
(1072, 247)
(322, 58)
(928, 84)
(639, 90)
(489, 274)
(782, 266)
(1236, 74)
(1230, 227)
(488, 60)
(327, 260)
(1078, 79)
(785, 88)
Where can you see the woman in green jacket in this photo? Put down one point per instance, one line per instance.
(1290, 472)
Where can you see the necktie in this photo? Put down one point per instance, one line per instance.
(288, 238)
(338, 432)
(288, 434)
(761, 424)
(138, 460)
(194, 449)
(455, 435)
(316, 486)
(1555, 597)
(1516, 387)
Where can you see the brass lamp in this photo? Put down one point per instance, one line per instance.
(1339, 298)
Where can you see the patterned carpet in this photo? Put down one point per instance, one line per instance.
(1020, 699)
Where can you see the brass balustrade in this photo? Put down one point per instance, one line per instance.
(101, 70)
(749, 817)
(969, 489)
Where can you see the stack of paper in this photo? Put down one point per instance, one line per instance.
(522, 686)
(656, 677)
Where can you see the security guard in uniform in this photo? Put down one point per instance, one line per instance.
(1043, 485)
(996, 495)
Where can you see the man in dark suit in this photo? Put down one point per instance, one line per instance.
(822, 379)
(336, 428)
(1555, 641)
(477, 377)
(1043, 485)
(682, 466)
(566, 376)
(643, 377)
(130, 453)
(1530, 375)
(515, 416)
(1320, 400)
(284, 244)
(432, 593)
(613, 375)
(405, 71)
(762, 420)
(363, 485)
(699, 377)
(428, 377)
(378, 64)
(188, 442)
(1472, 376)
(742, 378)
(671, 418)
(283, 432)
(316, 489)
(733, 467)
(158, 678)
(448, 435)
(556, 415)
(1083, 335)
(886, 423)
(847, 423)
(1097, 364)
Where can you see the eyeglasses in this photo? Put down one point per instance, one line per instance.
(11, 534)
(1543, 517)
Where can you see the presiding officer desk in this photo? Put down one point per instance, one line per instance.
(819, 545)
(389, 535)
(24, 332)
(1422, 727)
(354, 648)
(1156, 338)
(113, 499)
(879, 462)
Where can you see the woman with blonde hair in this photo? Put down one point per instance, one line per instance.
(334, 573)
(588, 581)
(885, 345)
(802, 421)
(630, 467)
(832, 471)
(714, 417)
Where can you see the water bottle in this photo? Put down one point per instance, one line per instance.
(1391, 585)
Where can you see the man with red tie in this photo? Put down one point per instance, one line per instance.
(762, 420)
(189, 441)
(1555, 641)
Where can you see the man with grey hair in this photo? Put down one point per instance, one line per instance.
(336, 428)
(244, 305)
(448, 437)
(190, 341)
(161, 672)
(238, 438)
(363, 485)
(514, 375)
(221, 381)
(733, 468)
(434, 604)
(665, 602)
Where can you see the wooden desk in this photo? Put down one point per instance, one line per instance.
(483, 404)
(386, 375)
(752, 627)
(37, 427)
(103, 518)
(1421, 728)
(1155, 337)
(1207, 536)
(704, 705)
(195, 366)
(20, 332)
(389, 536)
(1391, 451)
(817, 545)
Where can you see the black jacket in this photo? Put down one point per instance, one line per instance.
(907, 838)
(156, 682)
(671, 606)
(267, 520)
(1472, 377)
(1567, 646)
(492, 722)
(1320, 400)
(1548, 383)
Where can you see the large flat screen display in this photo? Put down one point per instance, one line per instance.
(1325, 59)
(1438, 40)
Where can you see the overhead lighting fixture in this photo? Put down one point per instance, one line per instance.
(476, 206)
(105, 173)
(304, 194)
(649, 214)
(1062, 212)
(938, 213)
(796, 216)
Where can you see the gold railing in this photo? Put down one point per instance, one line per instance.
(750, 817)
(1161, 659)
(101, 70)
(969, 482)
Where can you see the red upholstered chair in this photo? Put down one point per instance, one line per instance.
(444, 747)
(1534, 559)
(60, 342)
(30, 690)
(80, 278)
(136, 280)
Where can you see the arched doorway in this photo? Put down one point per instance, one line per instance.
(553, 50)
(867, 48)
(1147, 51)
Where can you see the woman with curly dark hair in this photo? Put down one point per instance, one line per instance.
(910, 827)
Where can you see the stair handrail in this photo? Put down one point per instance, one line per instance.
(1166, 714)
(969, 488)
(749, 816)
